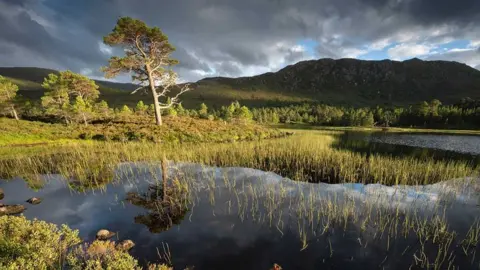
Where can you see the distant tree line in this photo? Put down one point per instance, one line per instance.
(464, 114)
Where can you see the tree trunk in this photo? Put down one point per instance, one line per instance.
(85, 119)
(158, 115)
(164, 177)
(14, 112)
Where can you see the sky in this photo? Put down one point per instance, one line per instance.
(241, 37)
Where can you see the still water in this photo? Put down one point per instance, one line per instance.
(241, 218)
(422, 146)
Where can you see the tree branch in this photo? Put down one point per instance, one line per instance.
(138, 89)
(139, 48)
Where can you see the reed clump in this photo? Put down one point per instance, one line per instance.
(305, 157)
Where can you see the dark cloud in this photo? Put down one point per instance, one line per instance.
(20, 3)
(229, 37)
(188, 61)
(468, 56)
(437, 11)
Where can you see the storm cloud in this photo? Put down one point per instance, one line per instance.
(240, 38)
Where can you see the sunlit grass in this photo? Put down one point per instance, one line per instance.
(303, 157)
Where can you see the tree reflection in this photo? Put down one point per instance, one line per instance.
(163, 213)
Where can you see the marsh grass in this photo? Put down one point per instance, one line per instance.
(426, 238)
(420, 229)
(306, 157)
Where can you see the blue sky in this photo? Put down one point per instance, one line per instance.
(424, 50)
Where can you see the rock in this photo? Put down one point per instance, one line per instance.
(2, 194)
(11, 209)
(104, 234)
(34, 200)
(125, 245)
(276, 267)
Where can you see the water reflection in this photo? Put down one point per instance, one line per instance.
(162, 214)
(241, 218)
(420, 146)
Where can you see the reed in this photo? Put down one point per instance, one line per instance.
(306, 157)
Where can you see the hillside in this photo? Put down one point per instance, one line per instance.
(29, 80)
(342, 82)
(359, 82)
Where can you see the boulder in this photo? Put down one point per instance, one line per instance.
(34, 200)
(104, 234)
(2, 194)
(125, 245)
(11, 209)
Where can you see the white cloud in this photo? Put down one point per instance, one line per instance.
(409, 50)
(474, 43)
(298, 48)
(470, 57)
(104, 48)
(379, 44)
(353, 52)
(86, 71)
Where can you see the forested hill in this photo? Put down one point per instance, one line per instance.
(359, 82)
(30, 79)
(347, 82)
(35, 76)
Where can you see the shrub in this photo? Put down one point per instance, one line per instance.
(33, 244)
(100, 255)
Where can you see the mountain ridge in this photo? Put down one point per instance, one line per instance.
(383, 81)
(346, 81)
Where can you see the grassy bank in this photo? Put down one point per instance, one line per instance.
(377, 129)
(139, 129)
(307, 156)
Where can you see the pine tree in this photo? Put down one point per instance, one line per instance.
(141, 108)
(65, 87)
(203, 111)
(8, 93)
(125, 111)
(180, 110)
(148, 56)
(102, 109)
(244, 114)
(81, 110)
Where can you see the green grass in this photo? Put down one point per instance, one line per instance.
(376, 129)
(304, 157)
(174, 130)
